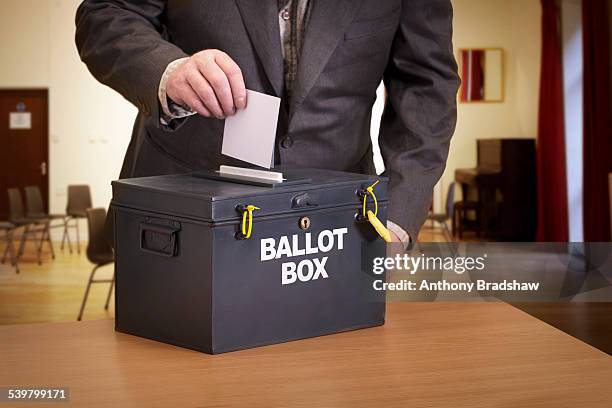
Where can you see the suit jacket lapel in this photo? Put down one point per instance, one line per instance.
(329, 20)
(260, 18)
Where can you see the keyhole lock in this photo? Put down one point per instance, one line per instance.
(304, 223)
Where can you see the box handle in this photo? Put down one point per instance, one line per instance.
(158, 240)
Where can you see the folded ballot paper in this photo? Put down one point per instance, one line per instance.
(249, 135)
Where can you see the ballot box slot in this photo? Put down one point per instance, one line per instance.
(287, 181)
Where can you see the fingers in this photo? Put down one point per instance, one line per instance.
(210, 83)
(205, 93)
(192, 99)
(220, 84)
(234, 75)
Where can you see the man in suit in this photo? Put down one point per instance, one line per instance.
(186, 63)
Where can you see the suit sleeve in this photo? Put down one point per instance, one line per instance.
(122, 44)
(421, 109)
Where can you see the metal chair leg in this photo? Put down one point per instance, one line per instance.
(42, 235)
(9, 251)
(446, 232)
(40, 244)
(6, 250)
(93, 271)
(63, 236)
(78, 238)
(66, 235)
(24, 236)
(50, 242)
(110, 290)
(12, 253)
(449, 238)
(460, 223)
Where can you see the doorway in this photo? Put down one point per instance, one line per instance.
(24, 143)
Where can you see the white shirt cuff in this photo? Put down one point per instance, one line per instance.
(170, 109)
(401, 234)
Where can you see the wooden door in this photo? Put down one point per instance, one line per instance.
(24, 143)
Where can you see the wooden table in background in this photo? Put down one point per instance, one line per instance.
(427, 355)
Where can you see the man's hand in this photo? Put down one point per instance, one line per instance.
(210, 83)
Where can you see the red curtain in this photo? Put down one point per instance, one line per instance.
(552, 182)
(597, 122)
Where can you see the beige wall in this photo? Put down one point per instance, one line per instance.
(24, 30)
(90, 125)
(515, 27)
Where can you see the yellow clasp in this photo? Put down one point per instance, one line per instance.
(247, 220)
(370, 191)
(379, 227)
(372, 217)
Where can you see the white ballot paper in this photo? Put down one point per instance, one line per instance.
(249, 135)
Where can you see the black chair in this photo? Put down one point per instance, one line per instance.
(79, 201)
(31, 227)
(99, 252)
(443, 218)
(35, 206)
(36, 209)
(9, 251)
(460, 220)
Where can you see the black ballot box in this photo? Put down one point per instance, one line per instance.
(218, 265)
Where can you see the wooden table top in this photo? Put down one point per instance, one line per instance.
(427, 355)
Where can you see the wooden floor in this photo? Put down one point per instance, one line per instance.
(51, 292)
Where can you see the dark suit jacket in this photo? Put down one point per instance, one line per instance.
(349, 46)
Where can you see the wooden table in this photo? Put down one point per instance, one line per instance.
(428, 355)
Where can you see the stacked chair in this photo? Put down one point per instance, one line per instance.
(36, 211)
(79, 201)
(34, 228)
(35, 206)
(35, 223)
(9, 251)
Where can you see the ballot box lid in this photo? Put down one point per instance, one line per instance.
(208, 199)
